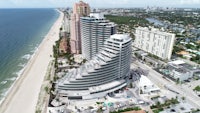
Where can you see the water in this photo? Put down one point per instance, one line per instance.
(21, 32)
(155, 21)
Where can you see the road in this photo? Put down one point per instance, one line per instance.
(183, 90)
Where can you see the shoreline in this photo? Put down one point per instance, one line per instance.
(21, 93)
(21, 71)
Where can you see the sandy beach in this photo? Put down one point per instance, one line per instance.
(23, 96)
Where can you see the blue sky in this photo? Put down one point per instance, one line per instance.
(99, 3)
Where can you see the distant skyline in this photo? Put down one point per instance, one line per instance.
(99, 3)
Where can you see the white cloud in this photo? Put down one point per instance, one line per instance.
(195, 2)
(101, 3)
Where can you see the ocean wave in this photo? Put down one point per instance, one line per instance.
(34, 49)
(18, 73)
(11, 79)
(27, 56)
(1, 99)
(3, 82)
(21, 65)
(3, 93)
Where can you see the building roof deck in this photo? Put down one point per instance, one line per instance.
(74, 93)
(89, 66)
(182, 67)
(177, 62)
(145, 82)
(181, 70)
(104, 58)
(154, 30)
(108, 54)
(119, 38)
(111, 50)
(106, 86)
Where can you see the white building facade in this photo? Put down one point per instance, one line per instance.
(181, 71)
(103, 74)
(94, 31)
(146, 86)
(154, 41)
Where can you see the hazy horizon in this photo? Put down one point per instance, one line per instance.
(99, 3)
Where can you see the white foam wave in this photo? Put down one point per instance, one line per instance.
(21, 65)
(27, 56)
(35, 49)
(3, 82)
(1, 100)
(11, 79)
(19, 73)
(3, 94)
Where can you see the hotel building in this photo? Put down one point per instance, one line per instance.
(154, 41)
(80, 9)
(94, 31)
(103, 74)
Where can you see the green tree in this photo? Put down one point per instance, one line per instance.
(197, 88)
(183, 98)
(46, 89)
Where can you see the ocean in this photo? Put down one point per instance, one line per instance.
(21, 32)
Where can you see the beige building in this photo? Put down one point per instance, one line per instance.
(80, 9)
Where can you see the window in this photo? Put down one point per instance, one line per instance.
(164, 46)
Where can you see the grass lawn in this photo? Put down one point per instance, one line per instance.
(197, 88)
(158, 110)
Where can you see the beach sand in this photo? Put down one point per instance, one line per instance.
(23, 96)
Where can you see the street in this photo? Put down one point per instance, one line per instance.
(182, 89)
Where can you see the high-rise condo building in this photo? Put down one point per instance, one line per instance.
(94, 31)
(154, 41)
(66, 23)
(103, 74)
(80, 9)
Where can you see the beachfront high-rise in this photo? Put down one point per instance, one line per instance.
(103, 74)
(80, 9)
(94, 31)
(66, 23)
(154, 41)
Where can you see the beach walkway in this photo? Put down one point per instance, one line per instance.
(22, 98)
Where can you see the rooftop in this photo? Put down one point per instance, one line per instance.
(140, 111)
(177, 62)
(120, 37)
(144, 81)
(182, 66)
(154, 30)
(106, 86)
(147, 84)
(181, 70)
(97, 15)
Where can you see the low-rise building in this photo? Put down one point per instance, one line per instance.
(63, 45)
(146, 86)
(180, 70)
